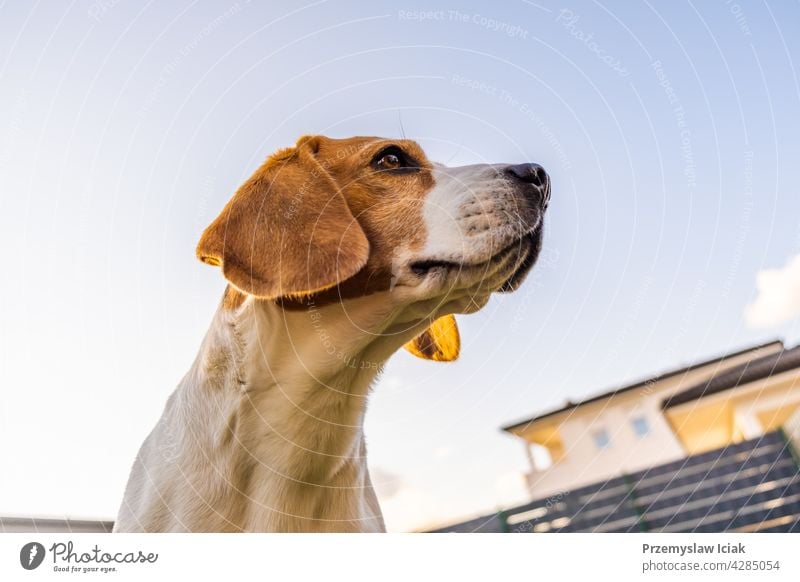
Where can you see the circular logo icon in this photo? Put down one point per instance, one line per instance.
(31, 555)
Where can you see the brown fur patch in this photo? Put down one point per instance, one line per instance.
(318, 215)
(233, 298)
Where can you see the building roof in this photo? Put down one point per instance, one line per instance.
(641, 384)
(782, 361)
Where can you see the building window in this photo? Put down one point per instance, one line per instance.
(640, 426)
(601, 439)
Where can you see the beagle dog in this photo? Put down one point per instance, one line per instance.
(337, 252)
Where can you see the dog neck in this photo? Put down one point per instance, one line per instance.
(286, 391)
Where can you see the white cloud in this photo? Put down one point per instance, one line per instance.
(778, 298)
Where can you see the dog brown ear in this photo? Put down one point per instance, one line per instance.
(287, 232)
(440, 342)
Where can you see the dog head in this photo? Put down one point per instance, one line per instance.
(336, 219)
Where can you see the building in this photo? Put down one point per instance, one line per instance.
(707, 447)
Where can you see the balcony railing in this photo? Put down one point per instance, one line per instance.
(749, 486)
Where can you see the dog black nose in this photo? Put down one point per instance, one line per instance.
(534, 175)
(530, 173)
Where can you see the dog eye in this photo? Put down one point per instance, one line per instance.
(392, 158)
(390, 162)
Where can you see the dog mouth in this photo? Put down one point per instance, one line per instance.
(425, 266)
(533, 244)
(522, 253)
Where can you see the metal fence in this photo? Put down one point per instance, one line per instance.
(750, 486)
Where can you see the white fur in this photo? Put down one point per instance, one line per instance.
(265, 431)
(471, 214)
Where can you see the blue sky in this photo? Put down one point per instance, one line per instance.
(669, 130)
